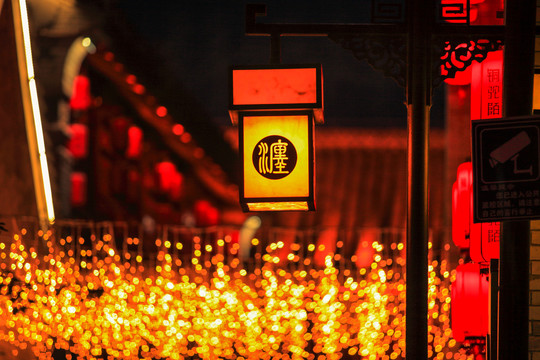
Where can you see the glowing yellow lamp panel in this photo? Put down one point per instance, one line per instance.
(277, 156)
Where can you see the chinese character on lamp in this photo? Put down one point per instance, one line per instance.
(275, 108)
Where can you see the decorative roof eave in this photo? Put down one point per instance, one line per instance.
(207, 171)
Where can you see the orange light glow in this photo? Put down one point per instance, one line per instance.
(108, 302)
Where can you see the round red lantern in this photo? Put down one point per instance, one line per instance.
(470, 303)
(78, 142)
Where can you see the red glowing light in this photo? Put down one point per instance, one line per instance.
(78, 189)
(78, 142)
(80, 96)
(205, 213)
(461, 197)
(134, 146)
(131, 79)
(161, 111)
(486, 87)
(185, 138)
(177, 129)
(274, 86)
(139, 89)
(165, 171)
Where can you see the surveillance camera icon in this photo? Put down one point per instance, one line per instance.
(510, 151)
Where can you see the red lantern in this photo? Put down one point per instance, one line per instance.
(461, 193)
(80, 96)
(165, 171)
(78, 142)
(78, 189)
(176, 182)
(486, 87)
(134, 145)
(485, 242)
(205, 214)
(470, 304)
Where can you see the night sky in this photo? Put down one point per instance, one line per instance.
(198, 41)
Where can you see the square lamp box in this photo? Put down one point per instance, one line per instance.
(275, 108)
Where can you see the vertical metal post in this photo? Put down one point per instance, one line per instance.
(493, 309)
(515, 246)
(418, 106)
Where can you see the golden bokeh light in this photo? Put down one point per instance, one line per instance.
(110, 303)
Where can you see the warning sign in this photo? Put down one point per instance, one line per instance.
(506, 169)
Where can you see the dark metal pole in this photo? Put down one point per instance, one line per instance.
(418, 106)
(515, 245)
(493, 309)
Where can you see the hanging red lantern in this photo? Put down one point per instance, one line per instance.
(78, 142)
(134, 145)
(165, 171)
(205, 213)
(485, 242)
(486, 87)
(461, 193)
(176, 182)
(470, 304)
(78, 189)
(80, 95)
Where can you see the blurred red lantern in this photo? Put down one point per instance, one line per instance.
(165, 171)
(80, 95)
(461, 193)
(470, 303)
(134, 145)
(78, 142)
(176, 182)
(78, 189)
(205, 213)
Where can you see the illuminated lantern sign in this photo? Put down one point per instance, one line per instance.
(486, 87)
(275, 109)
